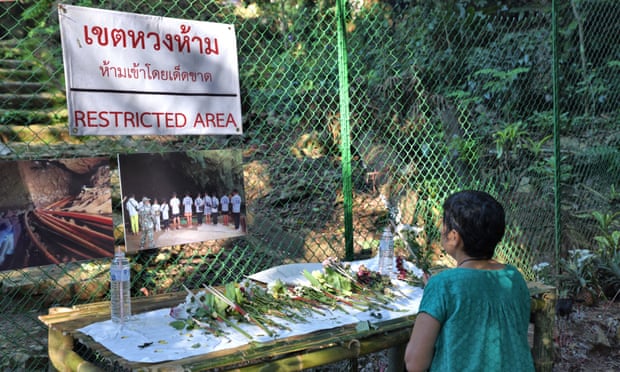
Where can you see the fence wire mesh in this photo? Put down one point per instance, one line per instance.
(442, 97)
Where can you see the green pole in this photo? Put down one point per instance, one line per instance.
(556, 134)
(345, 140)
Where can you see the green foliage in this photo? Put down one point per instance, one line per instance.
(37, 11)
(29, 117)
(544, 273)
(609, 276)
(609, 228)
(546, 167)
(598, 269)
(510, 139)
(499, 82)
(608, 251)
(578, 274)
(468, 150)
(614, 196)
(535, 146)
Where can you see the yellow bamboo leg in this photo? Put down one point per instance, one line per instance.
(63, 357)
(544, 321)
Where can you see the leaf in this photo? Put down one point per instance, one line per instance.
(602, 241)
(313, 280)
(600, 218)
(233, 293)
(178, 324)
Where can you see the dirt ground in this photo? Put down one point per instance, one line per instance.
(589, 339)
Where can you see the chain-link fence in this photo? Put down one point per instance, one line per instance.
(440, 98)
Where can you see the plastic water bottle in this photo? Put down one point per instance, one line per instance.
(120, 296)
(386, 253)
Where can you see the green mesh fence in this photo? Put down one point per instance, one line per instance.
(441, 98)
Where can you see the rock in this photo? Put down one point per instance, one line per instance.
(83, 165)
(4, 149)
(600, 337)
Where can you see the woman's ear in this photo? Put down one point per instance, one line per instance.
(454, 238)
(453, 235)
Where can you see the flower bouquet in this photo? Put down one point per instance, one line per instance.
(275, 306)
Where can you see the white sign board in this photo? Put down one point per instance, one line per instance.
(131, 74)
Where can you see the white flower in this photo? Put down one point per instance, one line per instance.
(402, 228)
(580, 255)
(179, 312)
(540, 266)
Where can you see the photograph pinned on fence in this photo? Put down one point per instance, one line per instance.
(54, 212)
(181, 197)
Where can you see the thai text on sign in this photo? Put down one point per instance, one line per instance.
(132, 74)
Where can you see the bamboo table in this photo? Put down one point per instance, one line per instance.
(71, 350)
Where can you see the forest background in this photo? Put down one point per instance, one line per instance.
(518, 98)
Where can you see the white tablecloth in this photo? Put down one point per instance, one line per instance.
(149, 338)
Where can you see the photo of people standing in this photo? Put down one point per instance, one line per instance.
(181, 197)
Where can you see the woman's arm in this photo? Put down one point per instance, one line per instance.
(419, 352)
